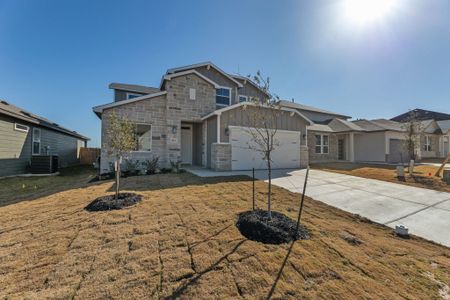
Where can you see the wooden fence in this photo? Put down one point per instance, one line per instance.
(89, 155)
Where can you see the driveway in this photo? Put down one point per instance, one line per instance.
(425, 212)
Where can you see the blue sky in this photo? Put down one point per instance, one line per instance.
(58, 57)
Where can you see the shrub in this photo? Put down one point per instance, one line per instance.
(151, 165)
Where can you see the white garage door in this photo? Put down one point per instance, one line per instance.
(243, 157)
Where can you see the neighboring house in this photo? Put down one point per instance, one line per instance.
(23, 135)
(199, 116)
(435, 137)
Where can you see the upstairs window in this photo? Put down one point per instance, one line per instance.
(36, 147)
(427, 145)
(322, 144)
(144, 137)
(133, 95)
(223, 96)
(243, 98)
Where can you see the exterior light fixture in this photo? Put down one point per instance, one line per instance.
(174, 129)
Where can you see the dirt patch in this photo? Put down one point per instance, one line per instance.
(423, 175)
(256, 225)
(109, 202)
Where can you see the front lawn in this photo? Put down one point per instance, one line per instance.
(181, 241)
(423, 175)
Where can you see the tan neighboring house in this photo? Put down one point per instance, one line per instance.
(199, 116)
(435, 137)
(26, 137)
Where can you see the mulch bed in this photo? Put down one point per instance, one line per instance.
(255, 225)
(109, 202)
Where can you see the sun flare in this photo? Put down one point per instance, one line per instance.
(364, 12)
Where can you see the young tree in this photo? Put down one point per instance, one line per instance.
(413, 128)
(263, 120)
(121, 137)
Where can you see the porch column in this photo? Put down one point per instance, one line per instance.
(352, 147)
(218, 128)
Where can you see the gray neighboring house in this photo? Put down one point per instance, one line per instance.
(199, 116)
(23, 135)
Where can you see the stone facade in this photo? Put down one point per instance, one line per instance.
(332, 150)
(304, 156)
(221, 157)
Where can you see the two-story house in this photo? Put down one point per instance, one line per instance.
(199, 116)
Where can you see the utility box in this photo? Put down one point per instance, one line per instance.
(446, 176)
(400, 172)
(44, 164)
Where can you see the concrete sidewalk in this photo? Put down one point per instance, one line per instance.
(426, 212)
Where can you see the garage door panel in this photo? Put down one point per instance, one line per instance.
(244, 155)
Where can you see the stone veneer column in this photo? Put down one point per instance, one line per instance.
(221, 156)
(304, 156)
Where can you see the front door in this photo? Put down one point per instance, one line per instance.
(186, 144)
(341, 155)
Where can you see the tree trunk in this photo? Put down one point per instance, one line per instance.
(117, 177)
(269, 196)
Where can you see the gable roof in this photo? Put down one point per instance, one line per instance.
(21, 114)
(379, 125)
(220, 111)
(246, 79)
(295, 105)
(133, 88)
(444, 126)
(421, 115)
(98, 110)
(170, 76)
(203, 64)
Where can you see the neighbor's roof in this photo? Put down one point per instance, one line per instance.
(295, 105)
(133, 88)
(444, 125)
(422, 114)
(21, 114)
(379, 125)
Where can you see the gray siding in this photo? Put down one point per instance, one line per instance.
(370, 147)
(211, 137)
(15, 146)
(250, 90)
(220, 79)
(241, 117)
(120, 95)
(316, 116)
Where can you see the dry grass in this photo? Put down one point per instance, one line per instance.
(180, 241)
(423, 176)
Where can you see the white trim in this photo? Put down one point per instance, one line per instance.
(225, 88)
(36, 140)
(151, 137)
(21, 129)
(239, 98)
(218, 128)
(428, 143)
(127, 94)
(219, 111)
(208, 65)
(170, 76)
(100, 108)
(322, 144)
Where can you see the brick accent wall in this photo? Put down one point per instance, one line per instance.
(332, 150)
(221, 157)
